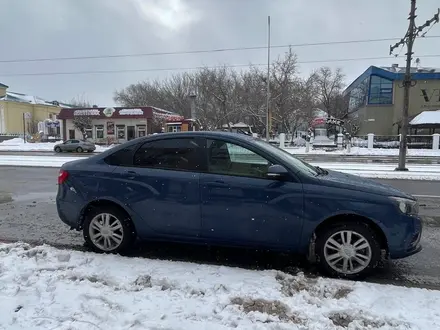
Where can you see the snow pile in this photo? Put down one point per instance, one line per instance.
(366, 170)
(45, 288)
(356, 151)
(18, 144)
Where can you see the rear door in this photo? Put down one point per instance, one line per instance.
(162, 187)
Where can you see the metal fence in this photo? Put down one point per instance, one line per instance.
(386, 141)
(393, 141)
(419, 141)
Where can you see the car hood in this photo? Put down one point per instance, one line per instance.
(354, 182)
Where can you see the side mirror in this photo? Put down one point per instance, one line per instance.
(277, 171)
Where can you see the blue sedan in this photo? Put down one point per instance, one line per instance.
(234, 190)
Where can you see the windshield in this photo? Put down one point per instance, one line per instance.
(287, 157)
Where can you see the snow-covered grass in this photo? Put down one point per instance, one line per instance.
(17, 144)
(45, 288)
(367, 170)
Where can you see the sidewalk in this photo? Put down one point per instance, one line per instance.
(379, 171)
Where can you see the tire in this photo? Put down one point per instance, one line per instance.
(123, 230)
(58, 150)
(79, 150)
(89, 151)
(331, 259)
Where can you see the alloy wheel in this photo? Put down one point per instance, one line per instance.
(347, 252)
(106, 232)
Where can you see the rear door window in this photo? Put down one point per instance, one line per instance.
(123, 157)
(181, 154)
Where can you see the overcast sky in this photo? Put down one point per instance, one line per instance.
(34, 29)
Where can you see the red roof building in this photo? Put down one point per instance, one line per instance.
(113, 124)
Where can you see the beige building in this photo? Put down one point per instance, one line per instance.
(20, 112)
(376, 98)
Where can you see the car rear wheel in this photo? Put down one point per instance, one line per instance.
(57, 149)
(108, 230)
(79, 150)
(348, 250)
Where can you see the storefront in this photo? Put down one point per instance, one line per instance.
(179, 124)
(112, 124)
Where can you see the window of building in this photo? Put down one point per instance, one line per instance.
(89, 133)
(141, 130)
(358, 96)
(71, 134)
(120, 131)
(173, 154)
(231, 159)
(381, 91)
(99, 130)
(174, 128)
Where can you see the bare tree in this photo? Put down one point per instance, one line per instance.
(330, 87)
(80, 102)
(226, 96)
(83, 122)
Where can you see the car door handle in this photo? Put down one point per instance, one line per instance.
(130, 174)
(217, 184)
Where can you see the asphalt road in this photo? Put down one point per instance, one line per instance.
(27, 213)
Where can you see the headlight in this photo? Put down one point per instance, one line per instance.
(406, 206)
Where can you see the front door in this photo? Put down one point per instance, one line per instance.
(241, 205)
(162, 188)
(131, 133)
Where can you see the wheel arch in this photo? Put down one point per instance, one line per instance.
(338, 219)
(103, 202)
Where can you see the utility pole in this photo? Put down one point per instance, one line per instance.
(409, 39)
(268, 80)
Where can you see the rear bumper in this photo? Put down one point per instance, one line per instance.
(69, 213)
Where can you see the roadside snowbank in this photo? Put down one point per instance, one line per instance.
(17, 144)
(366, 170)
(45, 288)
(356, 151)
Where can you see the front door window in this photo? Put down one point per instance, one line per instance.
(231, 159)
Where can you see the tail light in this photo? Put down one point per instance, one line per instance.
(62, 176)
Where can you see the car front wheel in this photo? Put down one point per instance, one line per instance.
(57, 149)
(348, 250)
(108, 230)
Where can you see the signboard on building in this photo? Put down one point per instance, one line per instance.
(430, 97)
(110, 128)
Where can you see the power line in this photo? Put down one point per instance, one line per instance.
(197, 67)
(218, 50)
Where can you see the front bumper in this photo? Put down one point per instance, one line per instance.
(411, 243)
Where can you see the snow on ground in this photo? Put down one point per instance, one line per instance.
(356, 151)
(18, 144)
(45, 288)
(367, 170)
